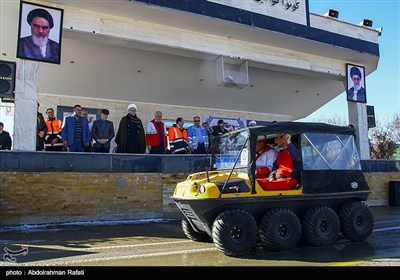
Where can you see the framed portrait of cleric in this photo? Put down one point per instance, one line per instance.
(355, 89)
(39, 33)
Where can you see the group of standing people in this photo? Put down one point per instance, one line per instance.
(76, 134)
(133, 137)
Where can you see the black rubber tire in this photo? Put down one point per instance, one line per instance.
(234, 232)
(356, 221)
(321, 226)
(280, 229)
(192, 234)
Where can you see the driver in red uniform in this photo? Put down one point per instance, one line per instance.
(287, 167)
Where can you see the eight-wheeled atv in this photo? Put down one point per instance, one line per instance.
(229, 205)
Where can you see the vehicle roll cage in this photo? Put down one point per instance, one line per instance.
(273, 129)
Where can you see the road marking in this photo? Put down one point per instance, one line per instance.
(66, 262)
(367, 260)
(67, 248)
(384, 229)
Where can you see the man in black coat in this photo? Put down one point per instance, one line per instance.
(131, 137)
(41, 130)
(5, 139)
(102, 133)
(219, 129)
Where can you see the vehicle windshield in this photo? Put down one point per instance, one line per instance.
(230, 148)
(322, 151)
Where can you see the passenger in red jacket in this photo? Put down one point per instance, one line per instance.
(287, 167)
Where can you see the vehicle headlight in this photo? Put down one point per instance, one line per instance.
(202, 189)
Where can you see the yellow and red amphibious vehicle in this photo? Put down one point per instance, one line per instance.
(229, 206)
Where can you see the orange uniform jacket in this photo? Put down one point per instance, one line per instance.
(178, 140)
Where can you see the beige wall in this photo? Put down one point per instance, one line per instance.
(379, 185)
(34, 198)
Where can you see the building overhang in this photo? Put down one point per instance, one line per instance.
(293, 68)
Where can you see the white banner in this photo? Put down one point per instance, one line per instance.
(290, 10)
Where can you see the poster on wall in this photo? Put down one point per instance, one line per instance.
(39, 33)
(356, 83)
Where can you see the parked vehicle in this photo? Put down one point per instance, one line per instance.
(229, 206)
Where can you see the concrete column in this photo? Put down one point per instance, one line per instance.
(26, 99)
(358, 118)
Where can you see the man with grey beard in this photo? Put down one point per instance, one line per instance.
(39, 46)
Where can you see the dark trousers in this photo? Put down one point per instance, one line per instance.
(101, 149)
(54, 148)
(77, 146)
(201, 149)
(88, 149)
(157, 150)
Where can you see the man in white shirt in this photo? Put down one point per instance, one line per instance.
(265, 158)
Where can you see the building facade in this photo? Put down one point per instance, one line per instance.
(263, 60)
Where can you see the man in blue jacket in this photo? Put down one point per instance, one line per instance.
(198, 138)
(75, 133)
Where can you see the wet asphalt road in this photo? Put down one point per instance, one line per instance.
(162, 243)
